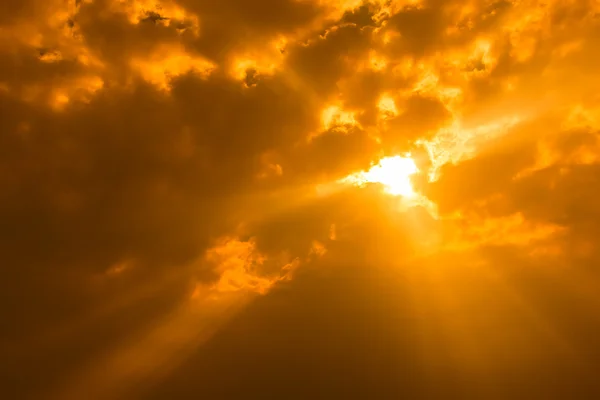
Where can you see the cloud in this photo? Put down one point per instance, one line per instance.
(172, 177)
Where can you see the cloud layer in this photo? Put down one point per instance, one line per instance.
(163, 163)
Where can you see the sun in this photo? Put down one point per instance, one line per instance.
(392, 172)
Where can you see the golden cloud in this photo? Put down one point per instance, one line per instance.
(239, 265)
(168, 62)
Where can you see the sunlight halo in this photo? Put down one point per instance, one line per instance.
(393, 173)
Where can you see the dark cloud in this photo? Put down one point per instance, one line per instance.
(325, 59)
(11, 11)
(420, 28)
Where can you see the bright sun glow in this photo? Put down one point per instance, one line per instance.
(392, 172)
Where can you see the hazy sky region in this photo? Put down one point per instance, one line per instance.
(299, 199)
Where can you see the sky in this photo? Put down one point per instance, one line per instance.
(292, 199)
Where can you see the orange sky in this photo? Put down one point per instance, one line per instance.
(292, 199)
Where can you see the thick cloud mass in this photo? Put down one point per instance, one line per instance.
(175, 223)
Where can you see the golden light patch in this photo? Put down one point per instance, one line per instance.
(463, 14)
(59, 95)
(166, 12)
(348, 5)
(377, 62)
(233, 280)
(317, 249)
(427, 83)
(86, 87)
(428, 80)
(53, 38)
(84, 57)
(168, 62)
(394, 173)
(483, 51)
(269, 166)
(239, 263)
(50, 57)
(337, 8)
(59, 100)
(240, 67)
(263, 60)
(373, 61)
(335, 116)
(404, 67)
(387, 106)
